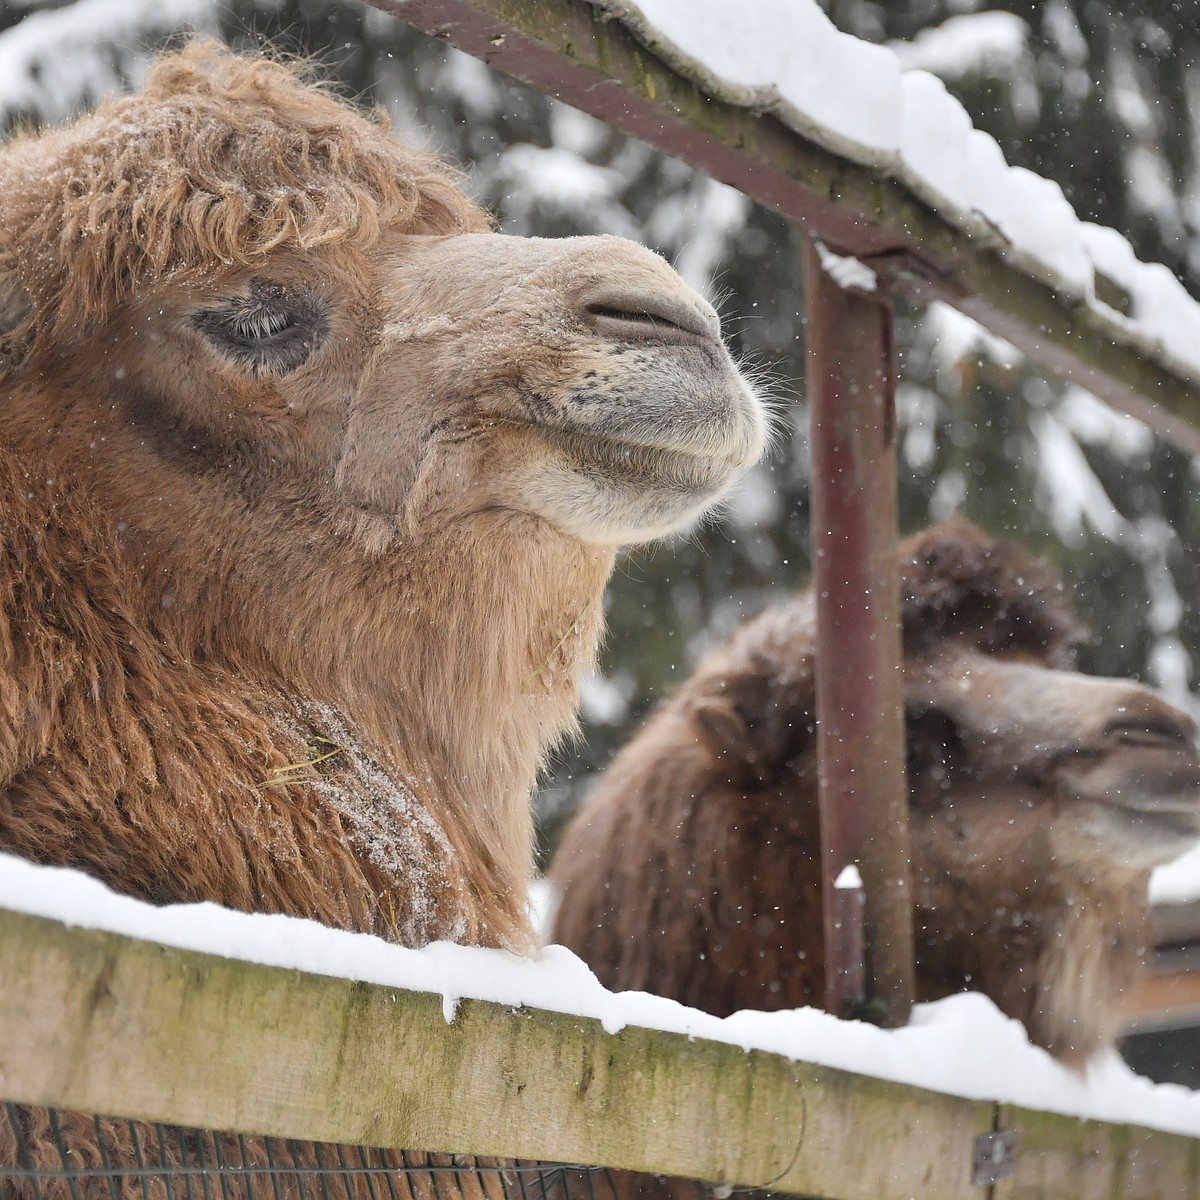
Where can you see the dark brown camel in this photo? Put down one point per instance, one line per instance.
(1039, 801)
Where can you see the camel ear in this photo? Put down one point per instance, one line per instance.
(757, 722)
(722, 728)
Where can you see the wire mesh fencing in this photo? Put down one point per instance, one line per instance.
(53, 1154)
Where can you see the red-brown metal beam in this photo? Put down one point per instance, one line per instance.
(860, 704)
(567, 49)
(564, 48)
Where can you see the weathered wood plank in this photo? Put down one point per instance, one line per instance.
(565, 49)
(1063, 1158)
(97, 1022)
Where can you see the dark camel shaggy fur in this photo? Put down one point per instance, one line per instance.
(309, 488)
(1039, 801)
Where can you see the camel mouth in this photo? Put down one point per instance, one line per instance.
(728, 433)
(1162, 823)
(1134, 838)
(1167, 790)
(653, 462)
(1143, 785)
(1162, 814)
(1182, 813)
(1182, 807)
(722, 448)
(614, 491)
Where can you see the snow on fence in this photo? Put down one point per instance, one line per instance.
(105, 1023)
(315, 1034)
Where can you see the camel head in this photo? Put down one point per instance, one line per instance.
(255, 285)
(293, 362)
(1039, 798)
(1007, 743)
(579, 381)
(351, 443)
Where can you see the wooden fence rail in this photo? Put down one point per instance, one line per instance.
(99, 1022)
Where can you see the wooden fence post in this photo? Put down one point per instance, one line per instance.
(860, 713)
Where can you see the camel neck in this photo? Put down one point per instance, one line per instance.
(458, 658)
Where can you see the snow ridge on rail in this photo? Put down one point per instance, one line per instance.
(856, 100)
(962, 1045)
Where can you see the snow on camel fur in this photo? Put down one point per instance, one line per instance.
(1039, 800)
(309, 488)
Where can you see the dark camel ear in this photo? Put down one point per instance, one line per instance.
(722, 728)
(755, 723)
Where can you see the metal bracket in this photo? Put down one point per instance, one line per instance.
(995, 1156)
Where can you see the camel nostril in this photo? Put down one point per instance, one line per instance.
(1151, 731)
(643, 316)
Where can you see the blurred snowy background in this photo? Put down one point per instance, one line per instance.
(1106, 104)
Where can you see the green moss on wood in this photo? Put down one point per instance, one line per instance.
(102, 1023)
(97, 1022)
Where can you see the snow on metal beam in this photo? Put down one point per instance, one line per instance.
(592, 60)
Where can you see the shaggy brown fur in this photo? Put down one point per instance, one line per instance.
(1039, 801)
(216, 164)
(309, 487)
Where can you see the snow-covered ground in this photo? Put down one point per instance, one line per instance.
(962, 1046)
(858, 100)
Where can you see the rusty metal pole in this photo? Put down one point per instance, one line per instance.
(860, 706)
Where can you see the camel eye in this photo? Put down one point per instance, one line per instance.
(271, 331)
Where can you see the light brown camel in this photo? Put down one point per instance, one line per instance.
(1039, 801)
(309, 487)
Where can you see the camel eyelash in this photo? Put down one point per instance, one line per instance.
(259, 321)
(271, 331)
